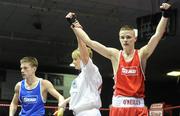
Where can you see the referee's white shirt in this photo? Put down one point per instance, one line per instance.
(85, 92)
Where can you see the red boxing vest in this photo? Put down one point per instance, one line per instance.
(129, 80)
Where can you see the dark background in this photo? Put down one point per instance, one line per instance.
(38, 28)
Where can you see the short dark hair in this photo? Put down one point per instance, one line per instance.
(126, 27)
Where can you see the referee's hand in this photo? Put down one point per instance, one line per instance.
(59, 112)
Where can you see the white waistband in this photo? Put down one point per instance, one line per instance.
(121, 101)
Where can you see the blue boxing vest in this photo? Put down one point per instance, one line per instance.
(32, 103)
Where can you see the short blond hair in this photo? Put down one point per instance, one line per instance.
(29, 59)
(76, 53)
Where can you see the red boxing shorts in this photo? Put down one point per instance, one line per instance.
(116, 111)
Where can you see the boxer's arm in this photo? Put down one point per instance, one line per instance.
(50, 88)
(98, 47)
(14, 102)
(148, 49)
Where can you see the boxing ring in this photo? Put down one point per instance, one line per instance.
(49, 109)
(156, 109)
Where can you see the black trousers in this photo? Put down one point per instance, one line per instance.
(68, 112)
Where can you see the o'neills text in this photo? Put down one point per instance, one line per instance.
(131, 102)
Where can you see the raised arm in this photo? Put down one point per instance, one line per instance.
(84, 54)
(81, 34)
(148, 49)
(14, 102)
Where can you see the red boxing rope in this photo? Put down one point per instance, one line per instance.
(104, 109)
(48, 107)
